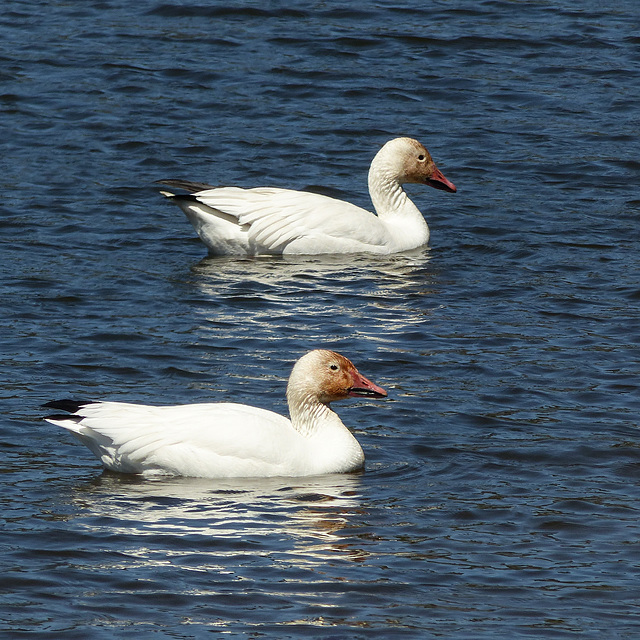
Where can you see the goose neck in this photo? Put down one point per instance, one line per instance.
(307, 413)
(386, 192)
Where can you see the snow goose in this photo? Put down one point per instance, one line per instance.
(225, 440)
(264, 220)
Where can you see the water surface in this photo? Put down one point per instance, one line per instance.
(500, 497)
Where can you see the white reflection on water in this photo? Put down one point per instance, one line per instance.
(250, 304)
(386, 274)
(301, 517)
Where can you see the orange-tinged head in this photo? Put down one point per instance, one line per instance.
(411, 162)
(329, 376)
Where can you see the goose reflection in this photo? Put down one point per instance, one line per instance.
(301, 517)
(395, 272)
(320, 299)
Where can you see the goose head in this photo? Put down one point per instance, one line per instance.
(326, 376)
(406, 160)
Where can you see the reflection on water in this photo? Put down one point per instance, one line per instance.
(396, 272)
(302, 517)
(305, 303)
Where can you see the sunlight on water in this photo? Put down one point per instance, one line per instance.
(500, 492)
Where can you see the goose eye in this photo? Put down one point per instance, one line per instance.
(334, 367)
(421, 158)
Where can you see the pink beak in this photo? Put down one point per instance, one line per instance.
(363, 388)
(438, 181)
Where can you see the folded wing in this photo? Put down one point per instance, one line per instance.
(211, 439)
(275, 219)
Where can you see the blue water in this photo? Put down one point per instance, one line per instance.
(501, 494)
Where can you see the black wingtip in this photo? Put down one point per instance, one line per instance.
(63, 416)
(184, 197)
(72, 406)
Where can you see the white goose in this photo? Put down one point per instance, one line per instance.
(225, 440)
(264, 220)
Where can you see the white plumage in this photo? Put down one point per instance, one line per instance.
(264, 220)
(222, 440)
